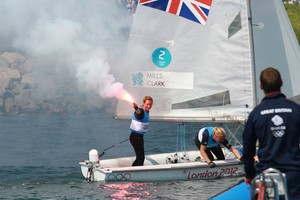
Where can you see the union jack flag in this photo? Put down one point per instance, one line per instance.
(195, 10)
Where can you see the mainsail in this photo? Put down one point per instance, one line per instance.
(195, 71)
(275, 44)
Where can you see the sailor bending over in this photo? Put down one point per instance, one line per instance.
(208, 141)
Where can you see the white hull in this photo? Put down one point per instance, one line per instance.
(158, 167)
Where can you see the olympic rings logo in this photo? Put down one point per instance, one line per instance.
(119, 177)
(278, 133)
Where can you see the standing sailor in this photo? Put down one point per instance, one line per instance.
(139, 126)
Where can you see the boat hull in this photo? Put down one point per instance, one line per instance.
(158, 167)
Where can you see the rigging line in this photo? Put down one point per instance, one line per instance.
(183, 145)
(177, 141)
(233, 135)
(117, 144)
(180, 144)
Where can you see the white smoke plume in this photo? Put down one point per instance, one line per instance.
(77, 42)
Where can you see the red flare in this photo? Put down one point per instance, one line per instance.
(127, 97)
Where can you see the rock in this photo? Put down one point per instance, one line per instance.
(27, 67)
(10, 106)
(28, 81)
(1, 106)
(33, 86)
(3, 62)
(7, 75)
(30, 102)
(14, 59)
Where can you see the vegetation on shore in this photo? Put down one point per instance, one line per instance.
(293, 11)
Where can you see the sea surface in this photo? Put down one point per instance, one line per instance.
(39, 158)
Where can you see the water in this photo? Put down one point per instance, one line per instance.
(39, 158)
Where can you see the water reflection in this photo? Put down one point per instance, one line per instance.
(132, 190)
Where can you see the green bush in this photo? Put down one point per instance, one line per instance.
(293, 11)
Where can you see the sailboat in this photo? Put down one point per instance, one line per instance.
(199, 60)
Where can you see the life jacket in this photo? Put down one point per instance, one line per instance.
(140, 126)
(211, 142)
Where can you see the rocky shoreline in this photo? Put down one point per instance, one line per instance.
(24, 91)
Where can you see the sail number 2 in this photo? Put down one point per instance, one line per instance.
(161, 57)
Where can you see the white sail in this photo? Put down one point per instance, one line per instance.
(206, 70)
(275, 44)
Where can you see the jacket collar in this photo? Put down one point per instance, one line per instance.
(274, 95)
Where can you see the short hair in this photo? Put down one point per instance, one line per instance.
(147, 98)
(270, 80)
(220, 132)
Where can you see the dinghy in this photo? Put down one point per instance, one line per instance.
(199, 60)
(159, 167)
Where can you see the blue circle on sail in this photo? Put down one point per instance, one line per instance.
(161, 57)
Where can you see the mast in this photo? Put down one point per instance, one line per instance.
(254, 81)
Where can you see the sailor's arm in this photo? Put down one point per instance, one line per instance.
(139, 112)
(235, 152)
(203, 153)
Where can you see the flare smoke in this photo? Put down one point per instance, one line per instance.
(74, 42)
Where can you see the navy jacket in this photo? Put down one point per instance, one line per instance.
(275, 123)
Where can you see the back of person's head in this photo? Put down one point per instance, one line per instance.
(220, 132)
(270, 80)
